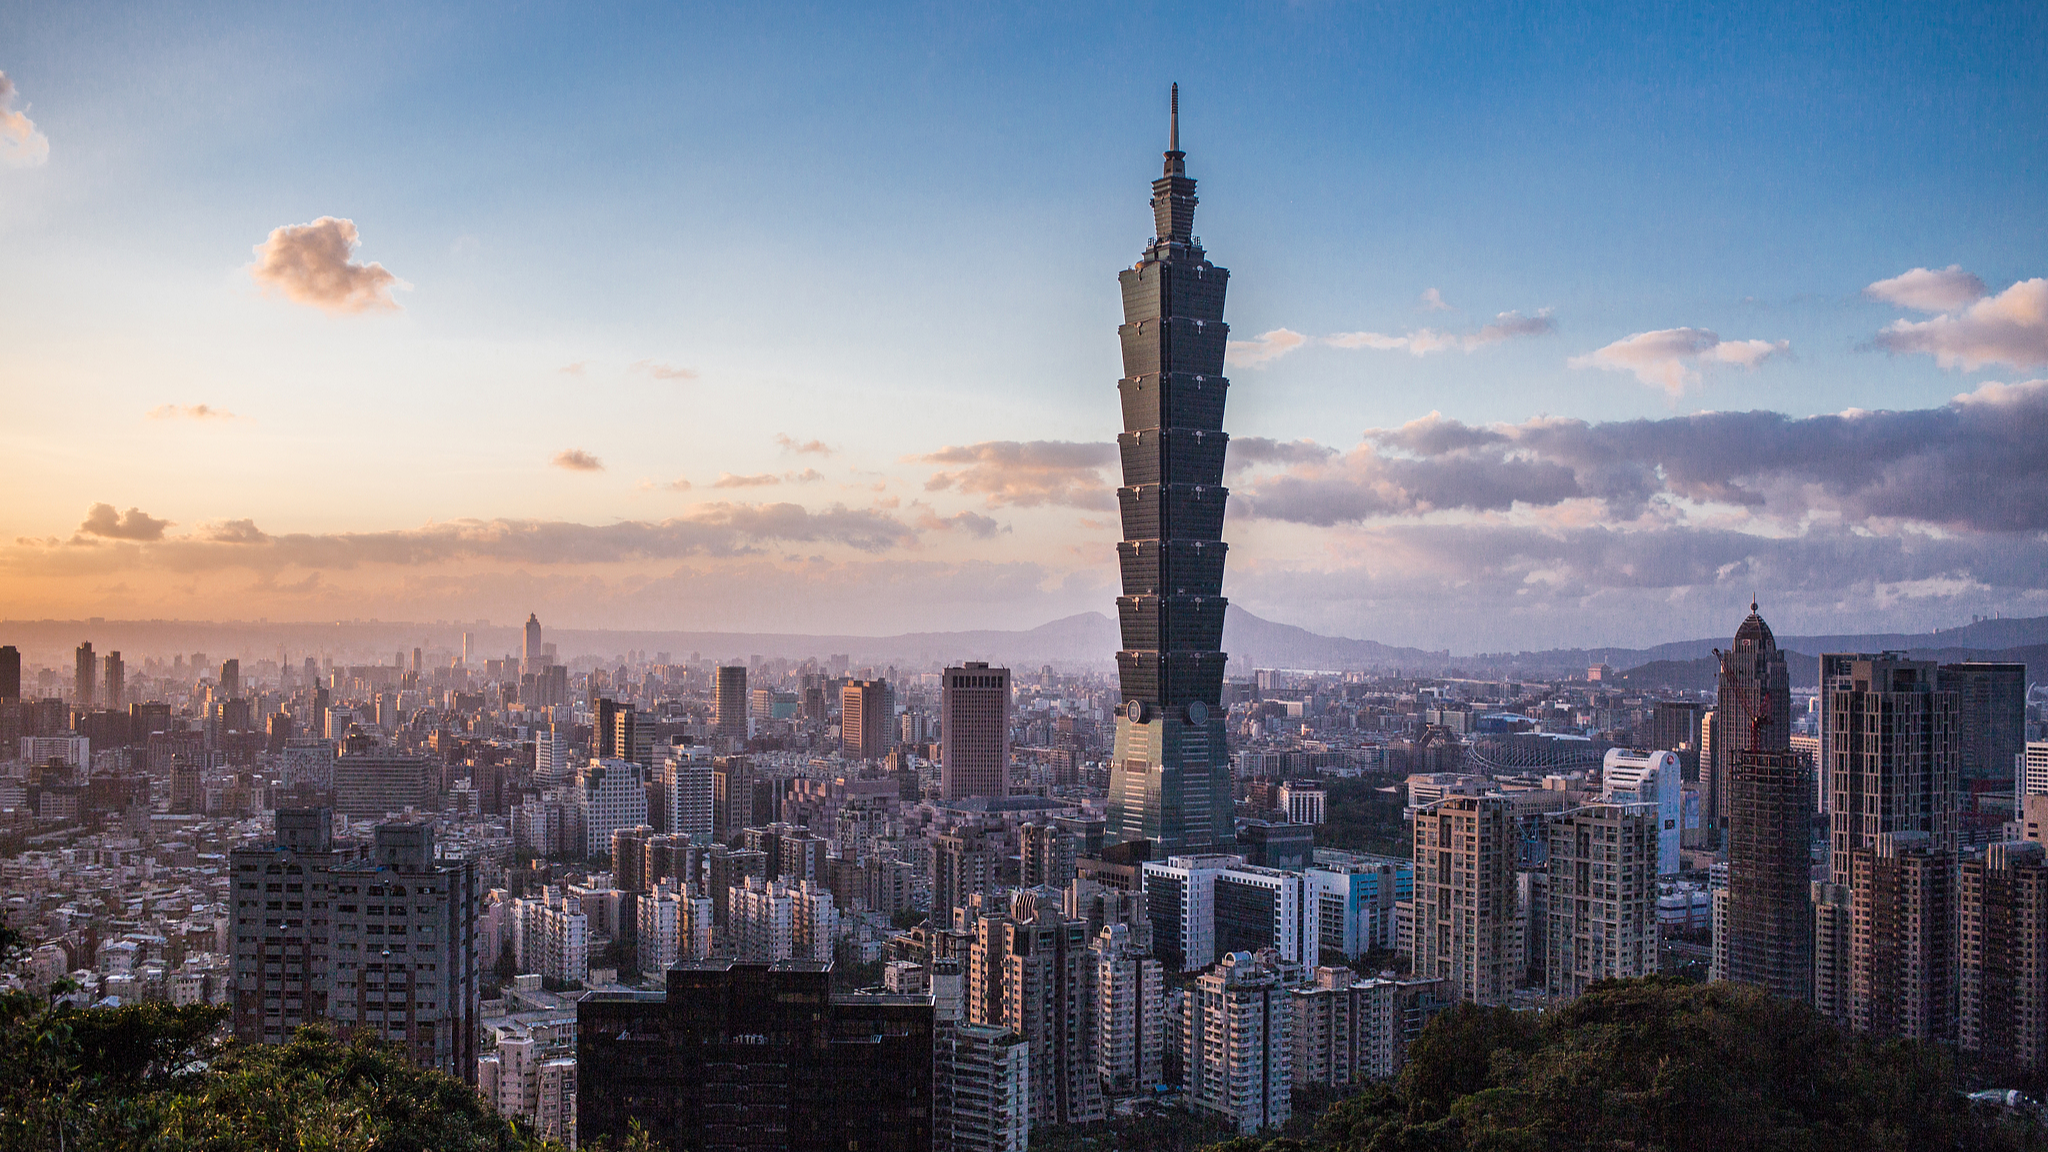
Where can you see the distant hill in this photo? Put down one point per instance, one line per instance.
(1700, 675)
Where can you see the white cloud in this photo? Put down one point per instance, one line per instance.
(310, 264)
(1269, 346)
(1423, 341)
(21, 146)
(662, 371)
(2009, 328)
(577, 460)
(1433, 301)
(1929, 290)
(1671, 358)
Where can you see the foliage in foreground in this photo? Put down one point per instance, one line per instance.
(1658, 1065)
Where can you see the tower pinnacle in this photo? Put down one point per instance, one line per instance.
(1173, 131)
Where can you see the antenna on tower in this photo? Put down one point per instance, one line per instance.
(1173, 132)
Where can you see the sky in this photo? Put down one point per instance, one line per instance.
(1551, 325)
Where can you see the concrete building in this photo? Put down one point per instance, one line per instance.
(769, 920)
(1636, 776)
(2003, 979)
(610, 795)
(534, 1082)
(1031, 971)
(974, 732)
(1903, 947)
(1355, 895)
(1465, 853)
(1600, 909)
(867, 719)
(283, 925)
(551, 936)
(686, 788)
(1237, 1036)
(1991, 719)
(729, 708)
(1764, 805)
(982, 1089)
(379, 782)
(405, 949)
(1304, 803)
(674, 924)
(1130, 1035)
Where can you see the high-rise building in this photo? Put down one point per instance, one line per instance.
(1465, 896)
(405, 949)
(867, 719)
(1303, 802)
(982, 1089)
(377, 782)
(84, 677)
(1902, 945)
(1349, 1031)
(531, 1081)
(1633, 776)
(756, 1056)
(1237, 1029)
(10, 673)
(1047, 855)
(974, 736)
(551, 935)
(530, 659)
(611, 794)
(2003, 1006)
(1130, 1014)
(1600, 918)
(1991, 719)
(231, 679)
(1765, 802)
(729, 707)
(1355, 895)
(629, 858)
(965, 862)
(770, 920)
(116, 680)
(1032, 972)
(1892, 750)
(283, 923)
(2032, 774)
(1675, 727)
(732, 797)
(675, 924)
(686, 788)
(1170, 776)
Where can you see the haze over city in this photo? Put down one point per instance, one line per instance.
(1548, 328)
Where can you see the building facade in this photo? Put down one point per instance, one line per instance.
(1600, 907)
(1465, 914)
(1237, 1035)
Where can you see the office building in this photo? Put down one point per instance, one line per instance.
(1260, 908)
(230, 680)
(1902, 950)
(1634, 776)
(283, 925)
(867, 719)
(530, 660)
(1991, 720)
(116, 680)
(974, 733)
(1170, 779)
(1675, 728)
(1237, 1040)
(1130, 1021)
(1355, 894)
(729, 708)
(2032, 774)
(84, 678)
(1180, 900)
(691, 1066)
(1892, 750)
(1032, 972)
(405, 949)
(1465, 896)
(1600, 907)
(2003, 982)
(376, 782)
(1303, 802)
(10, 673)
(1765, 805)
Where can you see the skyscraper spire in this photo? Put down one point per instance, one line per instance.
(1173, 132)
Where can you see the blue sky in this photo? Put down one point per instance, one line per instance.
(894, 230)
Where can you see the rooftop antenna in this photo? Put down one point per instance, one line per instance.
(1173, 134)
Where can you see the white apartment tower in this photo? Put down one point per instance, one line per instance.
(1237, 1036)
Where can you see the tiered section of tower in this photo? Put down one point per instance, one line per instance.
(1172, 446)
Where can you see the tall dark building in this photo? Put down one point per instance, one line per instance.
(1675, 727)
(10, 673)
(1765, 934)
(116, 680)
(974, 743)
(756, 1056)
(729, 707)
(1992, 712)
(230, 679)
(84, 676)
(1170, 780)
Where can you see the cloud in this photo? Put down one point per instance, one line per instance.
(310, 264)
(1433, 301)
(807, 476)
(802, 448)
(2009, 328)
(1423, 341)
(662, 371)
(577, 460)
(1973, 464)
(1927, 290)
(236, 532)
(575, 369)
(190, 412)
(1251, 451)
(134, 524)
(758, 480)
(1671, 358)
(21, 146)
(970, 523)
(1027, 473)
(1269, 346)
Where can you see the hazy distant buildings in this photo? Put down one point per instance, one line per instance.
(1170, 776)
(378, 782)
(83, 679)
(10, 673)
(530, 660)
(974, 738)
(116, 681)
(729, 707)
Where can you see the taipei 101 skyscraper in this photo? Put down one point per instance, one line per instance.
(1170, 780)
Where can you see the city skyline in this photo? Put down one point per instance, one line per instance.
(1551, 331)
